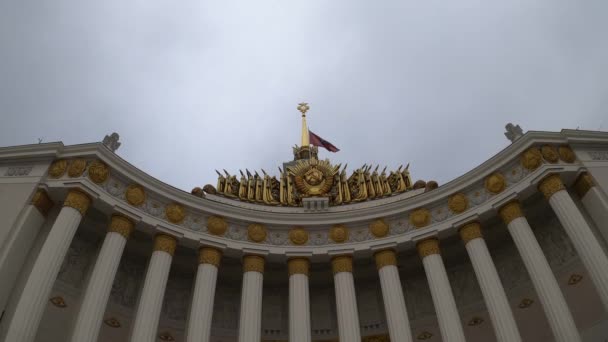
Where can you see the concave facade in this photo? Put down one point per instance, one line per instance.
(93, 249)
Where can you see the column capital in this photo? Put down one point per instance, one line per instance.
(510, 211)
(165, 243)
(470, 231)
(209, 255)
(298, 266)
(253, 263)
(583, 183)
(550, 185)
(42, 202)
(342, 263)
(428, 247)
(122, 225)
(385, 257)
(78, 200)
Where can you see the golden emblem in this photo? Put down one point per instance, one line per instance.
(77, 167)
(58, 168)
(531, 159)
(550, 154)
(338, 233)
(216, 225)
(458, 203)
(175, 213)
(495, 183)
(298, 236)
(566, 154)
(313, 177)
(98, 171)
(135, 194)
(256, 232)
(420, 218)
(379, 228)
(58, 302)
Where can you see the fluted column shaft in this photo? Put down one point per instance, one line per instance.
(580, 233)
(548, 291)
(443, 298)
(346, 300)
(201, 311)
(299, 300)
(250, 321)
(489, 282)
(88, 321)
(151, 301)
(594, 201)
(31, 305)
(392, 294)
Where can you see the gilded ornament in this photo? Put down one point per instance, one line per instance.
(253, 263)
(112, 322)
(475, 321)
(135, 195)
(298, 266)
(77, 167)
(583, 184)
(425, 335)
(166, 336)
(470, 231)
(531, 159)
(256, 232)
(313, 177)
(420, 218)
(98, 171)
(387, 257)
(338, 233)
(379, 228)
(428, 247)
(550, 185)
(42, 202)
(298, 236)
(209, 255)
(566, 154)
(165, 243)
(58, 302)
(458, 203)
(57, 169)
(510, 212)
(342, 263)
(575, 279)
(216, 225)
(495, 183)
(377, 338)
(78, 200)
(550, 153)
(525, 303)
(175, 213)
(122, 225)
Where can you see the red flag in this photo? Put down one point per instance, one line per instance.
(318, 141)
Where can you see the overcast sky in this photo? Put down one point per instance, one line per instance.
(193, 86)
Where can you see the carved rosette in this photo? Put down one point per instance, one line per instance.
(78, 200)
(531, 159)
(550, 185)
(175, 213)
(77, 167)
(216, 225)
(550, 153)
(135, 195)
(428, 247)
(342, 263)
(209, 255)
(510, 212)
(338, 233)
(98, 171)
(122, 225)
(386, 257)
(458, 203)
(566, 154)
(253, 263)
(470, 231)
(379, 228)
(42, 202)
(298, 266)
(57, 169)
(165, 243)
(256, 232)
(298, 236)
(495, 183)
(583, 184)
(420, 218)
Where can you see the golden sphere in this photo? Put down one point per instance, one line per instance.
(298, 236)
(57, 169)
(216, 225)
(531, 159)
(338, 233)
(566, 154)
(135, 195)
(495, 183)
(256, 232)
(77, 167)
(458, 203)
(550, 154)
(175, 213)
(98, 171)
(379, 228)
(420, 218)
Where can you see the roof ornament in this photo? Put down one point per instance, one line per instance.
(303, 108)
(111, 141)
(513, 132)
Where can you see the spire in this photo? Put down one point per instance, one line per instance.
(303, 108)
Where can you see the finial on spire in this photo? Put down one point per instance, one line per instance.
(303, 108)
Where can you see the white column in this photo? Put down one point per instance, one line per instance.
(392, 294)
(19, 243)
(346, 300)
(201, 311)
(151, 301)
(90, 316)
(489, 282)
(594, 201)
(35, 295)
(443, 299)
(250, 321)
(299, 300)
(548, 291)
(587, 246)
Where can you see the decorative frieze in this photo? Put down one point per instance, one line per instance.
(598, 155)
(17, 171)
